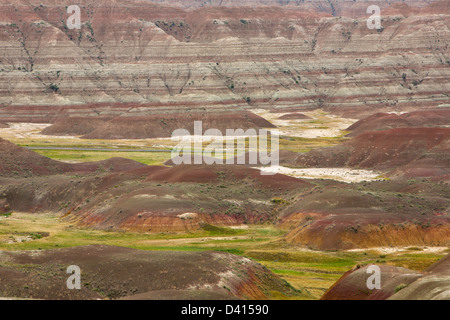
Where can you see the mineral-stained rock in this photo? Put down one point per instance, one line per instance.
(161, 125)
(385, 121)
(411, 152)
(239, 53)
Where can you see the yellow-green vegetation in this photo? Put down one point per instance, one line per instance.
(303, 145)
(300, 145)
(148, 158)
(314, 271)
(295, 144)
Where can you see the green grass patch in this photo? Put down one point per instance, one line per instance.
(316, 271)
(148, 158)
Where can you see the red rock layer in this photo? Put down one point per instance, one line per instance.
(343, 231)
(162, 125)
(403, 151)
(278, 56)
(385, 121)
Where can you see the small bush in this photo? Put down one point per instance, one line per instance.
(400, 287)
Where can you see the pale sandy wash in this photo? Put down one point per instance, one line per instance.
(339, 174)
(309, 128)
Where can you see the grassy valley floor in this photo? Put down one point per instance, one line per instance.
(314, 271)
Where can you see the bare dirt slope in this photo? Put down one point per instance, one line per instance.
(115, 272)
(378, 214)
(396, 284)
(412, 152)
(19, 162)
(150, 125)
(155, 199)
(386, 121)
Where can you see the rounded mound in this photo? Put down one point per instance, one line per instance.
(386, 121)
(294, 116)
(396, 149)
(116, 272)
(396, 284)
(16, 161)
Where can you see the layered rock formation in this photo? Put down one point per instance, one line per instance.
(324, 215)
(306, 54)
(381, 214)
(139, 197)
(410, 152)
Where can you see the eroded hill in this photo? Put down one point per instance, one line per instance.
(317, 54)
(114, 272)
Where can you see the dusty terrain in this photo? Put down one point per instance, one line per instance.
(385, 121)
(323, 214)
(126, 272)
(377, 214)
(155, 126)
(20, 162)
(397, 284)
(86, 177)
(407, 152)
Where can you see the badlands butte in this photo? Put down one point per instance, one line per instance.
(87, 179)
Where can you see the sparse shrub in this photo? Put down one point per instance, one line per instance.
(53, 87)
(400, 287)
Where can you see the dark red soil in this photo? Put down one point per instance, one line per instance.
(386, 121)
(414, 152)
(224, 174)
(154, 126)
(154, 199)
(18, 161)
(74, 126)
(217, 195)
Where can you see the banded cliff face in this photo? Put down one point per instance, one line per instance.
(153, 53)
